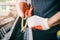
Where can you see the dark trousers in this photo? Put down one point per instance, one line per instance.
(37, 34)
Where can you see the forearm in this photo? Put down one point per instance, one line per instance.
(54, 20)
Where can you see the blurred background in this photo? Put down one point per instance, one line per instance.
(7, 7)
(8, 14)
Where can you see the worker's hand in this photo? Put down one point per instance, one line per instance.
(25, 11)
(36, 22)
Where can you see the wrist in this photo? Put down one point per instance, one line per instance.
(46, 26)
(52, 21)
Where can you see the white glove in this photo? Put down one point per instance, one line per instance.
(36, 20)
